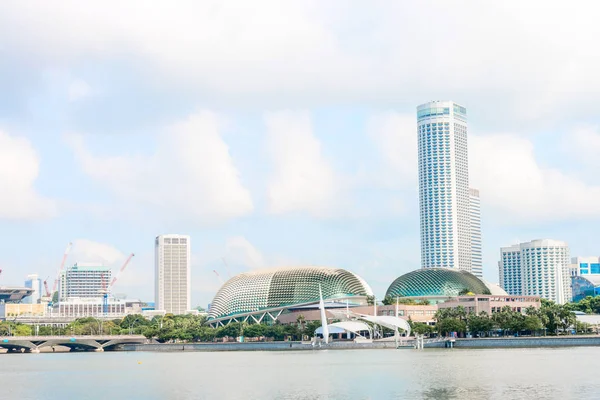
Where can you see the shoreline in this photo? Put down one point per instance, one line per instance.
(470, 343)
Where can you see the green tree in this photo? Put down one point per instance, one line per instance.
(480, 324)
(445, 326)
(370, 300)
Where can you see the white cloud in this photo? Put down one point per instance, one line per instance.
(78, 89)
(88, 251)
(241, 251)
(303, 180)
(191, 173)
(510, 53)
(518, 189)
(19, 170)
(584, 143)
(396, 137)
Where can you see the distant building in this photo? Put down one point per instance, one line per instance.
(84, 281)
(33, 281)
(476, 242)
(172, 273)
(541, 265)
(510, 270)
(586, 265)
(585, 285)
(444, 186)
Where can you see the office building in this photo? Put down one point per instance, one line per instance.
(84, 281)
(586, 265)
(444, 186)
(541, 265)
(34, 282)
(510, 270)
(475, 225)
(172, 273)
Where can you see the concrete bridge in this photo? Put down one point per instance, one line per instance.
(33, 344)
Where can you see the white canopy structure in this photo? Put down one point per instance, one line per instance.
(346, 326)
(387, 321)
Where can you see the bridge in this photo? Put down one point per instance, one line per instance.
(33, 344)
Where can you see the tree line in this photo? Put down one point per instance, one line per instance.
(551, 319)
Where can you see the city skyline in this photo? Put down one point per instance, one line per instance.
(288, 149)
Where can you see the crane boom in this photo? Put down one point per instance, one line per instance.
(121, 270)
(218, 276)
(48, 294)
(62, 266)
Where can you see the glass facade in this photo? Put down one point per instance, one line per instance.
(264, 290)
(436, 282)
(585, 286)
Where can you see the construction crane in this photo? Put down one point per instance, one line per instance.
(62, 266)
(218, 277)
(106, 288)
(48, 294)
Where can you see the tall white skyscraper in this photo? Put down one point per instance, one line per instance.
(475, 218)
(172, 273)
(542, 268)
(444, 186)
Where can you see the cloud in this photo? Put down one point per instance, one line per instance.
(19, 170)
(241, 251)
(78, 89)
(190, 174)
(88, 251)
(495, 53)
(584, 143)
(303, 180)
(396, 138)
(519, 189)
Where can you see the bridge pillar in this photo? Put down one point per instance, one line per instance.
(35, 351)
(99, 350)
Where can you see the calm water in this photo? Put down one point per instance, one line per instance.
(356, 374)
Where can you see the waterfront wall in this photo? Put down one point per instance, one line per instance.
(521, 342)
(252, 346)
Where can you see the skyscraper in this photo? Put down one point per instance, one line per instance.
(475, 224)
(540, 266)
(172, 273)
(444, 186)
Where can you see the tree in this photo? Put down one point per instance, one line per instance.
(480, 324)
(448, 325)
(370, 300)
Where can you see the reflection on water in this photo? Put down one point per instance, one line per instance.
(309, 375)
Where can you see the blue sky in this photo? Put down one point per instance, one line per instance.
(281, 134)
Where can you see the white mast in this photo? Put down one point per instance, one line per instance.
(324, 327)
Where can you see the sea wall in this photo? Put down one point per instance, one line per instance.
(252, 346)
(521, 342)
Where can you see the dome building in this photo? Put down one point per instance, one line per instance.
(437, 284)
(260, 296)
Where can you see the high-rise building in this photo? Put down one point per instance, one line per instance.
(444, 186)
(476, 244)
(543, 268)
(84, 280)
(510, 270)
(586, 265)
(172, 273)
(33, 281)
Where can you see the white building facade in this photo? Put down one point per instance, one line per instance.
(476, 240)
(510, 270)
(172, 273)
(544, 269)
(84, 280)
(444, 186)
(586, 265)
(34, 282)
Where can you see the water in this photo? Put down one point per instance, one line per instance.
(568, 373)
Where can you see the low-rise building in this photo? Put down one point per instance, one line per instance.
(492, 304)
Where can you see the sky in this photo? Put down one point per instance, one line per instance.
(284, 133)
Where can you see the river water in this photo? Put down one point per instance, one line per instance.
(566, 373)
